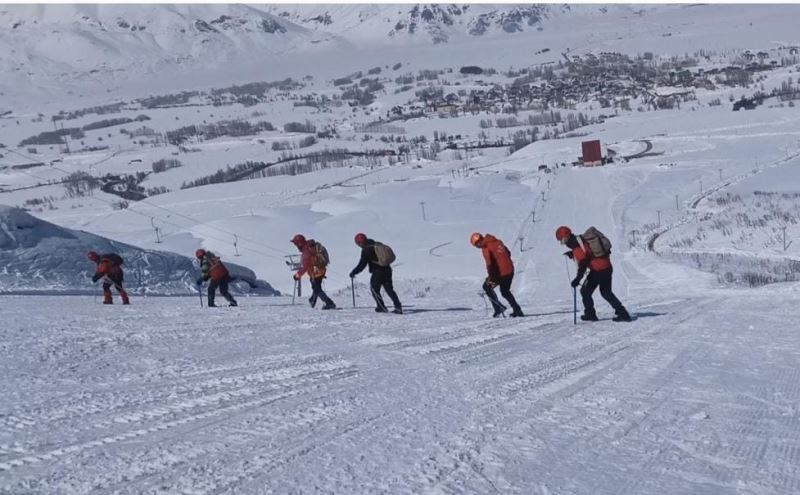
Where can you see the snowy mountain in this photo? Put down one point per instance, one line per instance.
(38, 256)
(115, 42)
(430, 23)
(66, 49)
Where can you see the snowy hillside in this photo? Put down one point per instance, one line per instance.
(41, 257)
(88, 51)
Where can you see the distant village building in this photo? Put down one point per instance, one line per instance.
(745, 103)
(592, 153)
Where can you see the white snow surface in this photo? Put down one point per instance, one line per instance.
(699, 395)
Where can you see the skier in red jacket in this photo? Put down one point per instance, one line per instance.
(600, 271)
(213, 269)
(500, 269)
(314, 262)
(109, 269)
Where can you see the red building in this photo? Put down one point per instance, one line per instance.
(592, 154)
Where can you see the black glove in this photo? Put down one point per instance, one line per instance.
(295, 277)
(95, 278)
(353, 274)
(569, 255)
(575, 282)
(199, 281)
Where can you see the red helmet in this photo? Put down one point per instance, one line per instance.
(298, 240)
(475, 239)
(93, 256)
(200, 253)
(361, 239)
(562, 234)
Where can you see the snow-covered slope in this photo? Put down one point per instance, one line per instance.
(38, 256)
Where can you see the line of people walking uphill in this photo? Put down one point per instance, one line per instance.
(591, 251)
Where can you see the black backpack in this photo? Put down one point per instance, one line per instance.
(114, 258)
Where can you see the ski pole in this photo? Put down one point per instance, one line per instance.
(574, 295)
(485, 304)
(574, 305)
(294, 291)
(566, 265)
(353, 290)
(200, 293)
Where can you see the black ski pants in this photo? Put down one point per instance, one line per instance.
(114, 280)
(603, 280)
(318, 293)
(505, 290)
(382, 277)
(223, 289)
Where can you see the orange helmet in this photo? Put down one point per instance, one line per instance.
(299, 240)
(93, 256)
(361, 239)
(475, 239)
(563, 233)
(200, 253)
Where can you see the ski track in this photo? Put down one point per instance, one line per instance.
(474, 406)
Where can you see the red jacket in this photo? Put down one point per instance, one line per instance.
(309, 262)
(497, 257)
(107, 268)
(213, 268)
(582, 255)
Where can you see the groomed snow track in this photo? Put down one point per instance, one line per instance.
(272, 398)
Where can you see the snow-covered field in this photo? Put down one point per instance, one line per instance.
(699, 394)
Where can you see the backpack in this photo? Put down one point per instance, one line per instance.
(114, 258)
(598, 243)
(384, 254)
(321, 258)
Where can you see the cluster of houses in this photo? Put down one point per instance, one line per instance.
(610, 78)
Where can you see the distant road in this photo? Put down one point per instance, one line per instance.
(648, 146)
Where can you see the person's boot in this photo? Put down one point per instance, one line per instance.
(329, 305)
(233, 303)
(312, 301)
(107, 298)
(589, 315)
(125, 299)
(623, 315)
(381, 310)
(498, 310)
(398, 310)
(517, 313)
